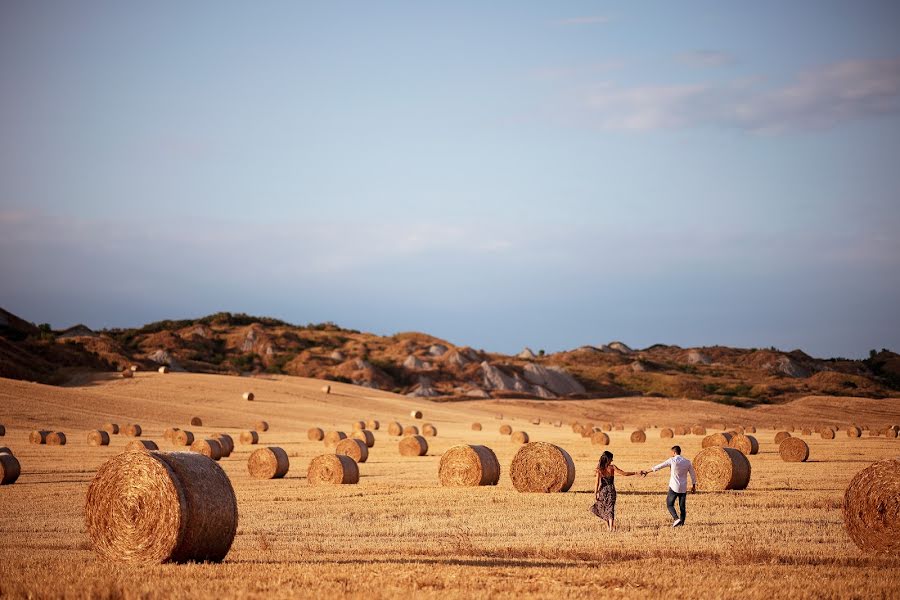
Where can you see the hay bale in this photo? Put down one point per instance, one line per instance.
(738, 429)
(326, 389)
(790, 428)
(141, 446)
(680, 430)
(133, 430)
(111, 428)
(161, 507)
(416, 414)
(589, 431)
(535, 421)
(542, 467)
(268, 463)
(354, 448)
(557, 423)
(413, 445)
(10, 469)
(871, 508)
(395, 429)
(429, 430)
(316, 434)
(469, 466)
(332, 469)
(519, 437)
(606, 427)
(749, 429)
(476, 426)
(332, 438)
(577, 427)
(98, 438)
(719, 468)
(638, 437)
(505, 430)
(127, 374)
(781, 436)
(890, 432)
(248, 396)
(38, 436)
(806, 431)
(854, 432)
(827, 433)
(358, 425)
(208, 447)
(365, 436)
(793, 449)
(666, 433)
(747, 444)
(227, 443)
(182, 437)
(620, 427)
(249, 437)
(717, 439)
(5, 450)
(698, 430)
(196, 422)
(600, 438)
(163, 369)
(57, 438)
(170, 432)
(261, 426)
(410, 430)
(372, 425)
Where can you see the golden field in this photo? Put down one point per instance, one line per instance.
(398, 532)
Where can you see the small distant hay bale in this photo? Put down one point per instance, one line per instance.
(410, 430)
(429, 430)
(365, 436)
(316, 434)
(133, 430)
(249, 396)
(416, 414)
(806, 431)
(469, 466)
(10, 469)
(161, 507)
(790, 428)
(57, 438)
(208, 447)
(557, 423)
(182, 437)
(332, 438)
(719, 468)
(268, 463)
(542, 467)
(698, 430)
(354, 448)
(607, 427)
(620, 427)
(127, 374)
(666, 433)
(890, 432)
(827, 433)
(196, 422)
(577, 427)
(589, 431)
(413, 445)
(499, 416)
(599, 438)
(163, 369)
(476, 426)
(506, 430)
(332, 469)
(871, 508)
(638, 437)
(716, 439)
(874, 433)
(854, 432)
(98, 437)
(170, 432)
(681, 430)
(249, 437)
(395, 429)
(357, 425)
(372, 425)
(141, 446)
(535, 421)
(793, 449)
(749, 429)
(111, 428)
(326, 389)
(38, 436)
(227, 443)
(261, 426)
(519, 437)
(747, 444)
(781, 436)
(738, 429)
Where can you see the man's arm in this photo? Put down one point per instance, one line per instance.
(658, 467)
(693, 477)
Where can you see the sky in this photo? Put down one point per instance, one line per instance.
(500, 174)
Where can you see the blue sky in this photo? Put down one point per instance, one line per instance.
(501, 175)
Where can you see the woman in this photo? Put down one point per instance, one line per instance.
(605, 490)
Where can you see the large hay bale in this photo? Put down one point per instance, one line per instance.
(505, 430)
(10, 469)
(781, 436)
(365, 436)
(372, 425)
(469, 466)
(747, 444)
(871, 508)
(261, 426)
(332, 469)
(666, 433)
(111, 428)
(357, 425)
(519, 437)
(413, 445)
(698, 430)
(57, 438)
(542, 467)
(98, 438)
(716, 439)
(141, 446)
(600, 438)
(854, 432)
(316, 434)
(719, 468)
(183, 437)
(268, 463)
(476, 426)
(38, 436)
(133, 430)
(332, 438)
(638, 437)
(196, 422)
(354, 448)
(429, 430)
(208, 447)
(827, 433)
(416, 414)
(410, 430)
(793, 449)
(227, 443)
(161, 507)
(249, 437)
(248, 396)
(395, 429)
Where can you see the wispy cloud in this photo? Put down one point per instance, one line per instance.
(585, 20)
(705, 58)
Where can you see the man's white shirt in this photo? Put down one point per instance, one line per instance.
(680, 467)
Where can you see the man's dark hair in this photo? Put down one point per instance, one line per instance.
(677, 449)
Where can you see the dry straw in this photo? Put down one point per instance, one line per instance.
(141, 446)
(519, 437)
(332, 469)
(111, 428)
(196, 422)
(268, 463)
(182, 437)
(505, 430)
(316, 434)
(698, 430)
(542, 467)
(38, 436)
(716, 439)
(827, 433)
(208, 447)
(600, 438)
(720, 468)
(227, 443)
(57, 438)
(98, 438)
(413, 445)
(638, 437)
(429, 430)
(666, 433)
(365, 436)
(249, 437)
(354, 448)
(747, 444)
(793, 449)
(410, 430)
(469, 466)
(10, 469)
(416, 414)
(781, 436)
(395, 428)
(262, 426)
(871, 508)
(854, 432)
(133, 430)
(161, 507)
(249, 396)
(476, 426)
(372, 425)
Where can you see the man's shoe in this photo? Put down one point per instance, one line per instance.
(676, 523)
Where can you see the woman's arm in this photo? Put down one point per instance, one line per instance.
(597, 485)
(624, 473)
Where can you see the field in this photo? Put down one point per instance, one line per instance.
(398, 532)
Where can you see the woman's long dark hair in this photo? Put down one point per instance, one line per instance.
(605, 459)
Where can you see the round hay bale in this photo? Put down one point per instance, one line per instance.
(519, 437)
(365, 436)
(620, 427)
(358, 425)
(98, 438)
(681, 430)
(890, 432)
(163, 369)
(316, 434)
(749, 429)
(865, 427)
(747, 444)
(790, 428)
(410, 430)
(141, 446)
(354, 448)
(133, 430)
(182, 437)
(248, 396)
(416, 414)
(577, 427)
(332, 438)
(170, 432)
(589, 431)
(738, 429)
(326, 389)
(249, 437)
(208, 447)
(793, 449)
(5, 450)
(542, 467)
(395, 429)
(476, 426)
(429, 430)
(38, 436)
(127, 374)
(854, 432)
(505, 430)
(600, 438)
(196, 422)
(719, 468)
(781, 436)
(111, 428)
(372, 425)
(806, 431)
(716, 439)
(227, 443)
(268, 463)
(332, 469)
(10, 469)
(413, 445)
(871, 508)
(57, 438)
(2, 430)
(161, 507)
(535, 421)
(827, 433)
(698, 430)
(607, 427)
(638, 437)
(469, 466)
(666, 433)
(261, 426)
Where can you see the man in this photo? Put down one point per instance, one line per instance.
(679, 468)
